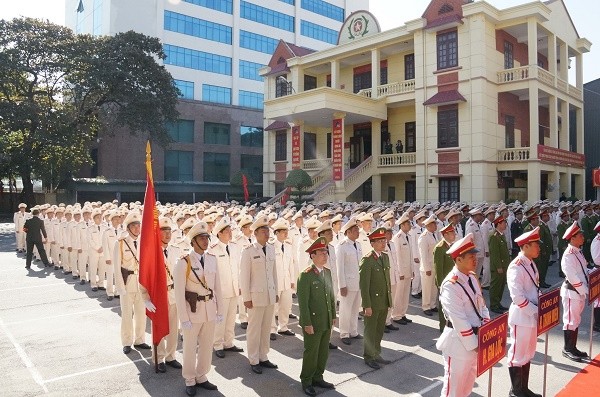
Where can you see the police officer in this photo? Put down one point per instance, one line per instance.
(427, 242)
(404, 254)
(19, 219)
(443, 262)
(317, 311)
(499, 260)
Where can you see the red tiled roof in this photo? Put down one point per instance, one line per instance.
(443, 21)
(280, 67)
(278, 125)
(299, 51)
(445, 97)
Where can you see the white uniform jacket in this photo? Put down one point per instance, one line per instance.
(228, 265)
(523, 285)
(258, 275)
(574, 266)
(404, 254)
(427, 242)
(347, 260)
(390, 250)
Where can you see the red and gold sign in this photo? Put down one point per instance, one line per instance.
(560, 156)
(548, 311)
(338, 149)
(296, 147)
(594, 290)
(596, 177)
(492, 338)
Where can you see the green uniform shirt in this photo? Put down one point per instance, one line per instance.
(315, 298)
(442, 261)
(499, 255)
(375, 288)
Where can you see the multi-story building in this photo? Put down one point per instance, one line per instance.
(468, 102)
(214, 50)
(591, 94)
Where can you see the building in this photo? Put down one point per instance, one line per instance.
(214, 50)
(479, 97)
(591, 95)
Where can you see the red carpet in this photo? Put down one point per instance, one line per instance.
(585, 383)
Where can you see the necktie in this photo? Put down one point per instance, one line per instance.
(202, 261)
(389, 247)
(135, 243)
(227, 249)
(355, 246)
(283, 248)
(165, 251)
(406, 237)
(435, 238)
(264, 250)
(250, 240)
(471, 285)
(98, 227)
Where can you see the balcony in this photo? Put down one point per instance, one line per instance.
(513, 155)
(398, 159)
(525, 73)
(316, 164)
(402, 87)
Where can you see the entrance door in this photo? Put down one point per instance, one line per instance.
(356, 151)
(410, 191)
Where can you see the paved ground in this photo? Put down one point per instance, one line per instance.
(61, 339)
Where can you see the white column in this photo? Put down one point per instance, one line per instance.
(564, 62)
(375, 72)
(565, 128)
(534, 121)
(579, 74)
(335, 74)
(297, 79)
(534, 181)
(532, 44)
(376, 187)
(552, 54)
(553, 110)
(376, 139)
(579, 129)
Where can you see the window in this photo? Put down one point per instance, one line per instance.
(179, 165)
(329, 142)
(362, 81)
(409, 67)
(216, 133)
(288, 1)
(383, 76)
(199, 60)
(266, 16)
(282, 87)
(251, 99)
(252, 166)
(318, 32)
(324, 8)
(97, 28)
(219, 5)
(310, 82)
(448, 127)
(410, 137)
(181, 131)
(197, 27)
(216, 94)
(257, 42)
(509, 131)
(447, 50)
(509, 61)
(449, 189)
(186, 88)
(249, 70)
(251, 136)
(281, 146)
(310, 146)
(410, 191)
(216, 167)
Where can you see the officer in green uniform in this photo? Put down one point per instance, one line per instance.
(316, 302)
(542, 260)
(375, 291)
(561, 228)
(499, 261)
(443, 262)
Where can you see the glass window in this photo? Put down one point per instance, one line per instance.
(509, 131)
(383, 76)
(186, 88)
(410, 191)
(281, 146)
(410, 137)
(249, 70)
(409, 67)
(250, 99)
(216, 167)
(216, 94)
(257, 42)
(216, 133)
(447, 50)
(181, 131)
(448, 127)
(266, 16)
(197, 27)
(362, 81)
(324, 8)
(251, 136)
(449, 189)
(252, 165)
(310, 146)
(199, 60)
(318, 32)
(179, 165)
(282, 88)
(288, 1)
(509, 61)
(310, 82)
(219, 5)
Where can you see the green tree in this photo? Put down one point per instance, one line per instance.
(58, 90)
(299, 180)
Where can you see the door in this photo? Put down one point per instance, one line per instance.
(410, 134)
(410, 191)
(356, 151)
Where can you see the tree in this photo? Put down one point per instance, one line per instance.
(237, 182)
(58, 90)
(298, 180)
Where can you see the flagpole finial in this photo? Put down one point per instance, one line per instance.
(148, 159)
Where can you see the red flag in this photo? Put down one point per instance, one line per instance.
(245, 186)
(286, 196)
(153, 275)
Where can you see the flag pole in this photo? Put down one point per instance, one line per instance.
(155, 357)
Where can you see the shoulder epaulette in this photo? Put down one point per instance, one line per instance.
(186, 257)
(287, 242)
(453, 279)
(473, 273)
(208, 253)
(308, 269)
(214, 245)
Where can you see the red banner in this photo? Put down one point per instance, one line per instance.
(594, 282)
(296, 147)
(596, 177)
(492, 338)
(548, 311)
(245, 186)
(560, 156)
(338, 149)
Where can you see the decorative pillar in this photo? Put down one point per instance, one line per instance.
(335, 74)
(376, 139)
(553, 111)
(534, 120)
(564, 61)
(534, 182)
(565, 129)
(579, 71)
(375, 72)
(579, 130)
(337, 149)
(532, 44)
(552, 54)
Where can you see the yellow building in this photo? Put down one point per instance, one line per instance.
(480, 99)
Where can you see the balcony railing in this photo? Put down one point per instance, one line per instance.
(514, 74)
(316, 164)
(515, 154)
(542, 75)
(575, 91)
(391, 160)
(401, 87)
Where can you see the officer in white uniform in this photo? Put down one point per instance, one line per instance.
(243, 240)
(287, 274)
(427, 242)
(465, 311)
(19, 219)
(109, 238)
(95, 254)
(392, 253)
(404, 254)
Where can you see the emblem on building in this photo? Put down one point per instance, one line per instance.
(359, 24)
(358, 27)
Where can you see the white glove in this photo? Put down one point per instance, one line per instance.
(219, 319)
(150, 306)
(186, 325)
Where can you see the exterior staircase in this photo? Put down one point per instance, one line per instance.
(353, 179)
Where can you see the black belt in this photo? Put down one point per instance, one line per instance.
(205, 298)
(568, 285)
(475, 329)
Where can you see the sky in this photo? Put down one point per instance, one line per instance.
(389, 13)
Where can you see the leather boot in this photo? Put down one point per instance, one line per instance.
(576, 351)
(525, 372)
(516, 380)
(569, 346)
(597, 319)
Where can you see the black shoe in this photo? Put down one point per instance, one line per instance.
(234, 349)
(27, 267)
(174, 364)
(126, 349)
(545, 285)
(69, 272)
(118, 296)
(373, 364)
(190, 390)
(401, 321)
(94, 289)
(597, 328)
(408, 320)
(286, 332)
(102, 288)
(571, 356)
(294, 296)
(386, 331)
(346, 341)
(82, 282)
(162, 368)
(332, 346)
(75, 277)
(417, 296)
(109, 298)
(220, 353)
(392, 327)
(380, 360)
(503, 308)
(291, 315)
(144, 346)
(244, 325)
(256, 369)
(56, 267)
(273, 336)
(309, 391)
(207, 385)
(435, 310)
(357, 336)
(323, 384)
(581, 354)
(428, 312)
(267, 364)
